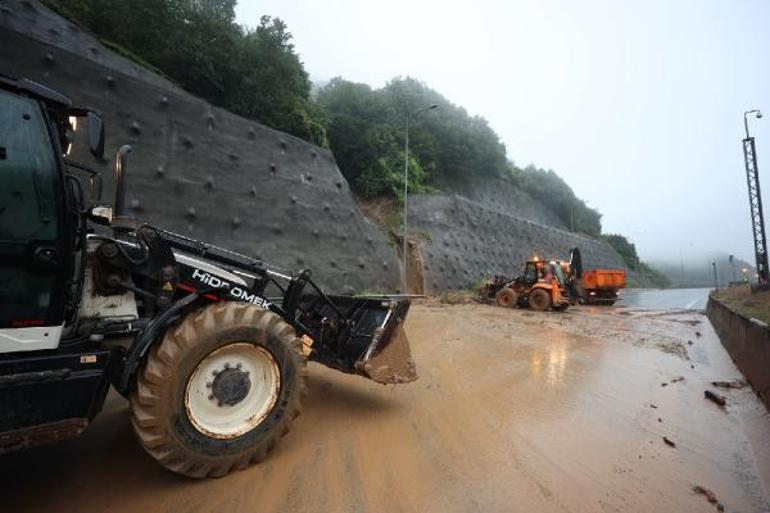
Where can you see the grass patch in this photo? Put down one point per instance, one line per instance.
(745, 302)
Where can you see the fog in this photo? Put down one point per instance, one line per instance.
(637, 105)
(700, 271)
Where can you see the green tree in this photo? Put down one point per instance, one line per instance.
(253, 72)
(624, 247)
(366, 129)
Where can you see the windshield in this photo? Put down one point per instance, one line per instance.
(27, 167)
(558, 272)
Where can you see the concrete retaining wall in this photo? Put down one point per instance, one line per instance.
(747, 343)
(464, 240)
(200, 170)
(500, 193)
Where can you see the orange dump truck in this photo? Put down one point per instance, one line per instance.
(601, 285)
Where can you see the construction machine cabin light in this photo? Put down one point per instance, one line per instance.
(73, 123)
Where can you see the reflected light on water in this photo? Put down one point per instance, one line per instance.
(551, 361)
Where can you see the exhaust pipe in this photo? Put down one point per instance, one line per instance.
(121, 221)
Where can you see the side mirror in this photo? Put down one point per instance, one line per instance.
(95, 134)
(100, 214)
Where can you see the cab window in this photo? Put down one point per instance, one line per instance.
(27, 173)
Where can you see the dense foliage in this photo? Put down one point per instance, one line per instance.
(548, 187)
(367, 127)
(253, 72)
(624, 247)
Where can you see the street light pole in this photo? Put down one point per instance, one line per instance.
(755, 201)
(405, 247)
(732, 266)
(758, 115)
(406, 205)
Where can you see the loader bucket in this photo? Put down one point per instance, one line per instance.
(389, 358)
(369, 340)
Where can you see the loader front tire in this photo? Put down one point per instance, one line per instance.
(540, 300)
(507, 297)
(219, 390)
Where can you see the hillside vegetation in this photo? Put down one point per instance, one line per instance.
(256, 73)
(644, 275)
(366, 129)
(252, 72)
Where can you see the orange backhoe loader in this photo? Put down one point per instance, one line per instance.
(540, 287)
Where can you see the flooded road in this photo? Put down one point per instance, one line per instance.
(665, 299)
(514, 411)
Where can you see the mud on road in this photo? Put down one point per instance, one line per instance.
(514, 411)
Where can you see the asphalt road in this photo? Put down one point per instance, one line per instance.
(514, 411)
(665, 299)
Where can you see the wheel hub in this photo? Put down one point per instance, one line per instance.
(232, 390)
(230, 386)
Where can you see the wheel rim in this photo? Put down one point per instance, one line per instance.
(505, 298)
(232, 390)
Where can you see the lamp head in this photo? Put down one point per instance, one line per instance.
(759, 114)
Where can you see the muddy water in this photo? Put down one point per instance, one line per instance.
(514, 411)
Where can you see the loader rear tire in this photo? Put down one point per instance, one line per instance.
(539, 300)
(507, 297)
(219, 390)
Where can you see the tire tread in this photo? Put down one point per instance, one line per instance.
(148, 409)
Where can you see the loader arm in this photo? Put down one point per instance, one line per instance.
(357, 335)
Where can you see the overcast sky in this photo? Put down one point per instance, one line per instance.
(637, 105)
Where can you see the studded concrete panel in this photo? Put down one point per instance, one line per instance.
(464, 240)
(200, 170)
(500, 193)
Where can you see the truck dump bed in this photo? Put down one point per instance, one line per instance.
(597, 279)
(601, 285)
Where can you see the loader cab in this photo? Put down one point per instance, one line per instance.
(536, 271)
(41, 221)
(531, 272)
(558, 271)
